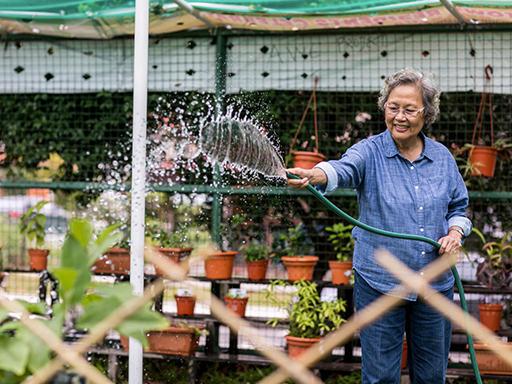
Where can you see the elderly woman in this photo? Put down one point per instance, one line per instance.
(410, 184)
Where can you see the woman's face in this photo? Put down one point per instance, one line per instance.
(404, 129)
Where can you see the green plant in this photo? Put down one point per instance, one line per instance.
(309, 317)
(294, 243)
(352, 378)
(342, 240)
(197, 331)
(161, 238)
(231, 232)
(32, 224)
(494, 270)
(82, 305)
(255, 251)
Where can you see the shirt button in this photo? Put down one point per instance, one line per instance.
(422, 273)
(412, 167)
(416, 187)
(423, 252)
(421, 208)
(421, 229)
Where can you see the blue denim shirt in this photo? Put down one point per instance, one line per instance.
(422, 198)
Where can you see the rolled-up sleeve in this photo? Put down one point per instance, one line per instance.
(332, 178)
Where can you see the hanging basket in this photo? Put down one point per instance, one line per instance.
(303, 159)
(483, 158)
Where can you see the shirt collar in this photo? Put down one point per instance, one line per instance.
(391, 149)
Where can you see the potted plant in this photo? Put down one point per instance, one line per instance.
(185, 302)
(341, 238)
(295, 247)
(177, 339)
(493, 271)
(236, 301)
(82, 305)
(309, 318)
(483, 157)
(115, 260)
(256, 256)
(174, 246)
(32, 224)
(219, 264)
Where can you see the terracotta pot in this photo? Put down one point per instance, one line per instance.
(484, 160)
(38, 259)
(299, 268)
(175, 255)
(306, 160)
(236, 305)
(257, 270)
(115, 260)
(219, 265)
(338, 270)
(490, 316)
(489, 362)
(185, 305)
(404, 355)
(171, 341)
(298, 345)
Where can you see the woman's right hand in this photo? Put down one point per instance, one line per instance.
(304, 174)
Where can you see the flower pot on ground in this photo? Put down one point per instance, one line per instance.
(341, 238)
(404, 355)
(185, 304)
(295, 247)
(180, 339)
(82, 305)
(236, 301)
(114, 260)
(490, 316)
(32, 225)
(256, 256)
(308, 316)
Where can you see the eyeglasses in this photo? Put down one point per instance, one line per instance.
(408, 112)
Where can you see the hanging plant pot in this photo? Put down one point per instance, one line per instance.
(257, 269)
(490, 316)
(307, 160)
(236, 305)
(171, 341)
(489, 362)
(38, 259)
(298, 345)
(175, 255)
(340, 271)
(185, 305)
(483, 160)
(115, 260)
(219, 265)
(299, 268)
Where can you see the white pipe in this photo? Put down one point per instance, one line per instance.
(140, 91)
(450, 7)
(194, 12)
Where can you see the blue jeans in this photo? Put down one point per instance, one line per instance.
(428, 340)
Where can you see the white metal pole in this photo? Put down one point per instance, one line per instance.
(140, 91)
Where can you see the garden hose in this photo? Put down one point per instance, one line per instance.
(366, 227)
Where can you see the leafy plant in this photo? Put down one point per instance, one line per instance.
(32, 224)
(255, 250)
(231, 232)
(494, 270)
(82, 305)
(309, 317)
(294, 243)
(198, 331)
(342, 240)
(161, 238)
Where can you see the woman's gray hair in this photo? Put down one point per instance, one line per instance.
(430, 92)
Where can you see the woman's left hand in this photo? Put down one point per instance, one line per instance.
(450, 243)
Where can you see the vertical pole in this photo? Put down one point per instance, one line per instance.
(140, 90)
(220, 94)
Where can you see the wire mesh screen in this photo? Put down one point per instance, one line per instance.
(66, 119)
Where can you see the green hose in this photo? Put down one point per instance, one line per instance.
(357, 223)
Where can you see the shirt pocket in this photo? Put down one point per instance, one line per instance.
(439, 189)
